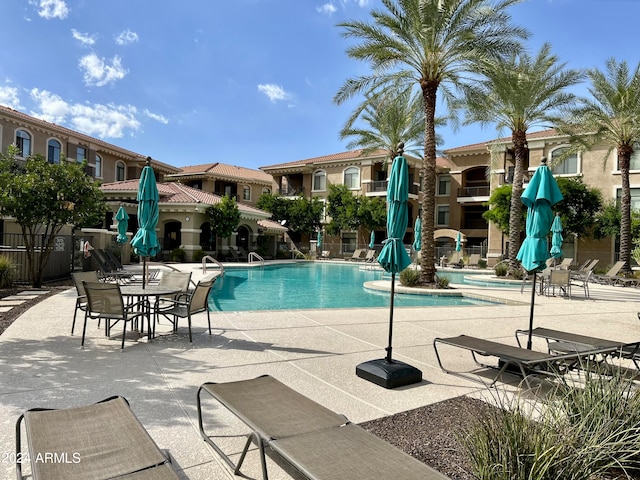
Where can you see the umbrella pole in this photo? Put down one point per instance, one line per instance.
(533, 296)
(144, 271)
(388, 349)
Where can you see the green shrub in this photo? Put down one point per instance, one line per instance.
(442, 282)
(198, 255)
(482, 263)
(517, 273)
(410, 277)
(501, 269)
(178, 255)
(7, 272)
(589, 431)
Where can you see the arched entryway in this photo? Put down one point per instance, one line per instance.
(172, 237)
(243, 237)
(207, 237)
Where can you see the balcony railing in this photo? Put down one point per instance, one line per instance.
(380, 186)
(507, 178)
(291, 191)
(483, 191)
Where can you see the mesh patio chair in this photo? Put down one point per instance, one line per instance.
(105, 302)
(190, 304)
(97, 442)
(81, 300)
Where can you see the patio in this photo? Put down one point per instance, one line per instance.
(313, 351)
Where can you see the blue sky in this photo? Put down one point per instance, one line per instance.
(245, 82)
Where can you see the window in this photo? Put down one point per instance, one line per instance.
(319, 180)
(98, 166)
(444, 184)
(23, 142)
(53, 151)
(246, 193)
(568, 166)
(348, 242)
(352, 178)
(635, 197)
(81, 154)
(442, 215)
(119, 172)
(634, 162)
(266, 191)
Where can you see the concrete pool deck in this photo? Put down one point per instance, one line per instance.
(313, 351)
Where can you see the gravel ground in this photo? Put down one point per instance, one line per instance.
(429, 433)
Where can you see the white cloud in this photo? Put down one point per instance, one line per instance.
(126, 37)
(97, 72)
(9, 98)
(102, 121)
(327, 9)
(274, 92)
(53, 9)
(156, 116)
(83, 38)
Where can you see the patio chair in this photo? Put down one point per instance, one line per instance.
(565, 264)
(560, 279)
(103, 265)
(370, 257)
(563, 342)
(316, 441)
(81, 299)
(115, 261)
(513, 359)
(474, 258)
(190, 304)
(101, 441)
(609, 278)
(105, 302)
(585, 269)
(357, 255)
(454, 260)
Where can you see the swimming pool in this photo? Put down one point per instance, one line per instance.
(312, 285)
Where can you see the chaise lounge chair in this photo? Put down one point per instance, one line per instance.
(563, 342)
(95, 442)
(516, 359)
(319, 443)
(611, 277)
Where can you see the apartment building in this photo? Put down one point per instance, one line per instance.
(184, 192)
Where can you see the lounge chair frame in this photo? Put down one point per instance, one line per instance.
(101, 441)
(317, 442)
(527, 362)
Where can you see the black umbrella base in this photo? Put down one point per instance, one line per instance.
(391, 374)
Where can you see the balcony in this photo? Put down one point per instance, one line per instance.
(291, 191)
(380, 187)
(474, 192)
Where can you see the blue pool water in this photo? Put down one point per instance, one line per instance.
(309, 286)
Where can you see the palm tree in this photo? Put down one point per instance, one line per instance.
(385, 119)
(611, 117)
(432, 43)
(518, 93)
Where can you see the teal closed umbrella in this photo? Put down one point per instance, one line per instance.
(556, 238)
(145, 242)
(372, 240)
(541, 193)
(458, 242)
(123, 222)
(393, 258)
(417, 234)
(319, 241)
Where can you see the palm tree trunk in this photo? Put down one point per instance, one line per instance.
(519, 139)
(624, 160)
(428, 250)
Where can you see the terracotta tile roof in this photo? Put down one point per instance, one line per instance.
(335, 157)
(174, 192)
(64, 130)
(223, 170)
(483, 145)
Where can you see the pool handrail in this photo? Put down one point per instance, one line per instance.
(253, 256)
(209, 257)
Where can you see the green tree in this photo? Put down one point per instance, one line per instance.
(610, 116)
(578, 210)
(224, 216)
(302, 215)
(43, 198)
(432, 44)
(500, 208)
(342, 208)
(372, 212)
(518, 93)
